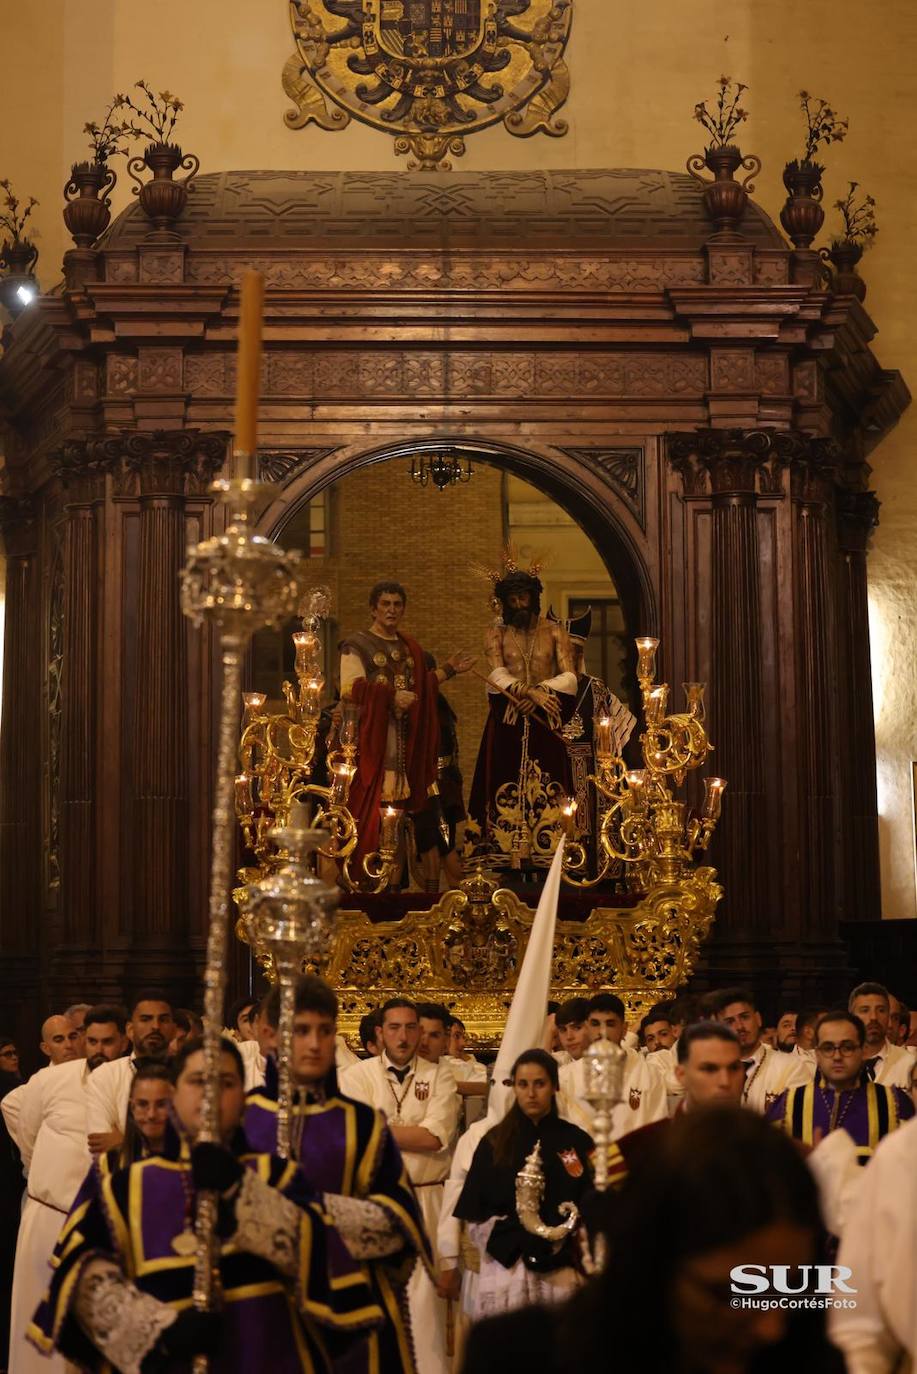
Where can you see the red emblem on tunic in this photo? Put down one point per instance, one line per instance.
(421, 1090)
(634, 1099)
(571, 1162)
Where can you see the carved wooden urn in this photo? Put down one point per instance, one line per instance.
(163, 198)
(802, 215)
(844, 255)
(88, 209)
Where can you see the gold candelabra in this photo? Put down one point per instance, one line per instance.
(277, 757)
(643, 824)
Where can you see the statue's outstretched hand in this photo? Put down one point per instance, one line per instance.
(461, 663)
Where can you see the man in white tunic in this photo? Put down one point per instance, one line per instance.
(150, 1029)
(644, 1092)
(884, 1062)
(422, 1105)
(768, 1072)
(51, 1133)
(879, 1242)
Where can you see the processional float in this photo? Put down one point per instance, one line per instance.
(465, 950)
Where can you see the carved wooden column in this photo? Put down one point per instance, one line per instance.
(165, 463)
(860, 896)
(20, 735)
(724, 465)
(83, 481)
(811, 492)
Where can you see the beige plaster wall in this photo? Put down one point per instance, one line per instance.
(637, 71)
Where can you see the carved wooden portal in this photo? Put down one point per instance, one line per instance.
(704, 410)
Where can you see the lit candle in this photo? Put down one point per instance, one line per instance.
(655, 705)
(568, 813)
(694, 695)
(253, 702)
(248, 371)
(713, 798)
(636, 786)
(391, 817)
(646, 657)
(244, 800)
(602, 731)
(341, 778)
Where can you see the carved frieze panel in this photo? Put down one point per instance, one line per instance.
(162, 266)
(121, 374)
(773, 374)
(730, 266)
(375, 272)
(160, 369)
(807, 381)
(732, 370)
(623, 470)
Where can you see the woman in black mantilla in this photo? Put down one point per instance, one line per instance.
(518, 1268)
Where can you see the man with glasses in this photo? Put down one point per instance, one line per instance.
(842, 1096)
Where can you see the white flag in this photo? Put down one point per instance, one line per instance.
(525, 1019)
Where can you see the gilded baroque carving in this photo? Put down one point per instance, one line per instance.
(429, 72)
(467, 949)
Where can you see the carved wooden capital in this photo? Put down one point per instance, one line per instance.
(173, 462)
(80, 466)
(722, 462)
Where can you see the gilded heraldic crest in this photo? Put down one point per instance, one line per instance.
(429, 72)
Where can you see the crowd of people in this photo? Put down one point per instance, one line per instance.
(391, 1240)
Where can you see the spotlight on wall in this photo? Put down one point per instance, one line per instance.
(17, 292)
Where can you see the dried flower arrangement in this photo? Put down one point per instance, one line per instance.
(823, 126)
(108, 138)
(154, 119)
(859, 217)
(723, 120)
(13, 215)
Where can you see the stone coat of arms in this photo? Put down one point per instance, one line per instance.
(429, 72)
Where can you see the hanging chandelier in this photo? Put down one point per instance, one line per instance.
(442, 469)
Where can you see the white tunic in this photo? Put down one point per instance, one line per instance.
(879, 1244)
(109, 1094)
(427, 1098)
(771, 1073)
(643, 1099)
(51, 1135)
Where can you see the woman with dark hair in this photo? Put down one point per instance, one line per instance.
(147, 1115)
(724, 1189)
(518, 1268)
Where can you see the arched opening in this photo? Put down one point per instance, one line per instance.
(363, 518)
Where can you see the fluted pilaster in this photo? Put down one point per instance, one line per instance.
(20, 734)
(165, 464)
